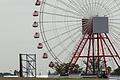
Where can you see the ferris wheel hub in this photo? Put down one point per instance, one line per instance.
(95, 25)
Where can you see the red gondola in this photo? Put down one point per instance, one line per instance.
(51, 64)
(45, 56)
(35, 24)
(38, 2)
(35, 13)
(36, 35)
(40, 46)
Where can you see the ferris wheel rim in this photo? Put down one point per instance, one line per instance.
(45, 40)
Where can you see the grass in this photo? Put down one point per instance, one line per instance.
(51, 79)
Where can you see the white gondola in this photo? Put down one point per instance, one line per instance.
(45, 56)
(38, 2)
(51, 64)
(35, 13)
(40, 46)
(35, 24)
(36, 35)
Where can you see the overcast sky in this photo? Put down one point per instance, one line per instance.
(16, 34)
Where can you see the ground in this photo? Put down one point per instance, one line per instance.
(51, 79)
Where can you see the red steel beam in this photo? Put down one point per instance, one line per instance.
(103, 53)
(99, 56)
(110, 51)
(76, 50)
(82, 49)
(86, 34)
(112, 46)
(98, 50)
(88, 54)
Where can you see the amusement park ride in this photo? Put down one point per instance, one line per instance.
(80, 31)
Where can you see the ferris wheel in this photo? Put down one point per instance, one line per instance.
(79, 31)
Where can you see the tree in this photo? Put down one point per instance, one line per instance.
(93, 65)
(16, 73)
(1, 75)
(66, 68)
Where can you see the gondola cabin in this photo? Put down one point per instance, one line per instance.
(38, 3)
(36, 35)
(35, 24)
(51, 64)
(45, 56)
(40, 46)
(35, 13)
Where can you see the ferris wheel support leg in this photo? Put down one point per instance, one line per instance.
(110, 51)
(85, 37)
(80, 49)
(79, 53)
(98, 51)
(103, 53)
(112, 46)
(77, 49)
(88, 55)
(93, 54)
(76, 52)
